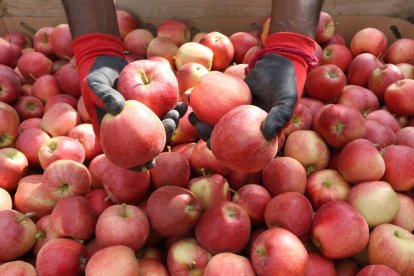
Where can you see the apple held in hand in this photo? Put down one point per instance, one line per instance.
(137, 132)
(247, 150)
(151, 83)
(217, 93)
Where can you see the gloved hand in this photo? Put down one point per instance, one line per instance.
(100, 59)
(276, 77)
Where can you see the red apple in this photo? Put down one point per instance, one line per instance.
(385, 118)
(68, 79)
(380, 135)
(216, 228)
(151, 266)
(399, 160)
(361, 67)
(137, 41)
(61, 256)
(337, 54)
(60, 119)
(81, 109)
(301, 119)
(14, 246)
(184, 209)
(339, 230)
(18, 267)
(242, 42)
(60, 147)
(359, 97)
(185, 132)
(277, 251)
(9, 53)
(137, 144)
(398, 97)
(284, 174)
(174, 29)
(254, 198)
(236, 152)
(64, 178)
(238, 179)
(325, 82)
(86, 136)
(33, 65)
(404, 217)
(29, 123)
(194, 52)
(291, 211)
(312, 104)
(405, 136)
(73, 217)
(203, 161)
(102, 262)
(339, 124)
(45, 87)
(171, 169)
(210, 190)
(222, 47)
(387, 241)
(99, 200)
(307, 147)
(228, 263)
(401, 51)
(377, 269)
(126, 22)
(381, 77)
(357, 152)
(238, 70)
(325, 28)
(10, 124)
(97, 167)
(326, 185)
(189, 74)
(28, 107)
(376, 201)
(42, 42)
(187, 257)
(124, 185)
(186, 149)
(251, 53)
(337, 38)
(43, 234)
(369, 40)
(320, 265)
(18, 38)
(31, 196)
(122, 225)
(61, 41)
(154, 85)
(162, 47)
(13, 166)
(10, 86)
(61, 98)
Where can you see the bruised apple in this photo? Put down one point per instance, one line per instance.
(137, 132)
(246, 150)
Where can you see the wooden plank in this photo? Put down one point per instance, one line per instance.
(190, 9)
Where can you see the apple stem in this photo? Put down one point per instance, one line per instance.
(80, 241)
(234, 192)
(40, 234)
(108, 197)
(310, 169)
(33, 77)
(144, 77)
(169, 148)
(27, 215)
(124, 210)
(28, 27)
(192, 265)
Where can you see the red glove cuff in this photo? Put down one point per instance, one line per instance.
(298, 48)
(86, 49)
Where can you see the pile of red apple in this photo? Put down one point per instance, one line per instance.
(333, 195)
